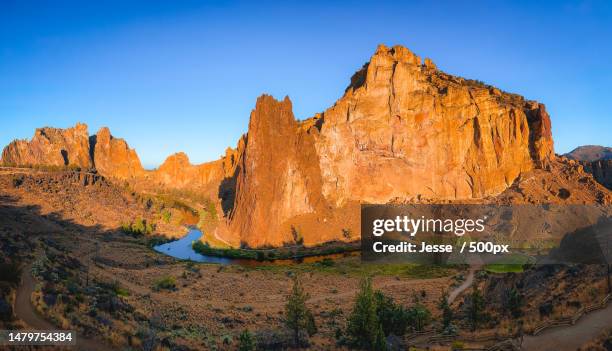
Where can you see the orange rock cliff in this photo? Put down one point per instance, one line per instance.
(402, 130)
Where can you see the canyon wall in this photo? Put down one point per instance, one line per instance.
(402, 131)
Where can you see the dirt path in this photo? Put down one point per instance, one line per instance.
(571, 338)
(23, 306)
(26, 312)
(466, 284)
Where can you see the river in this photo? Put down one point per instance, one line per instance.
(182, 249)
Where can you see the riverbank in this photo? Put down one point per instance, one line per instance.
(281, 253)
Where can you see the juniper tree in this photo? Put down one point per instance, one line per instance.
(447, 312)
(476, 307)
(364, 329)
(297, 316)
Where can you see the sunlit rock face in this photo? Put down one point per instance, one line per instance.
(408, 130)
(51, 147)
(113, 157)
(402, 130)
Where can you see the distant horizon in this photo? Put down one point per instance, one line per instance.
(183, 77)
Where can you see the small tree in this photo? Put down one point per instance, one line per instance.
(364, 329)
(476, 307)
(297, 236)
(297, 316)
(394, 318)
(514, 302)
(447, 312)
(420, 316)
(245, 341)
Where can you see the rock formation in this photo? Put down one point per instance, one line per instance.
(590, 153)
(51, 147)
(207, 178)
(113, 157)
(596, 160)
(279, 177)
(601, 171)
(402, 132)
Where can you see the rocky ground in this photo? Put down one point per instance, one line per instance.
(105, 283)
(113, 288)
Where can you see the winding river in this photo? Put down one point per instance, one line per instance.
(182, 249)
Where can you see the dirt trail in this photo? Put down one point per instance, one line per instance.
(26, 312)
(466, 284)
(571, 338)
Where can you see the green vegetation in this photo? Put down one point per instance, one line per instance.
(166, 216)
(457, 345)
(245, 341)
(271, 254)
(298, 317)
(514, 302)
(139, 227)
(510, 264)
(156, 240)
(364, 329)
(446, 311)
(393, 317)
(115, 287)
(166, 283)
(476, 308)
(208, 216)
(352, 266)
(504, 268)
(376, 316)
(419, 316)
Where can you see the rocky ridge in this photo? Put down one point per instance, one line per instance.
(403, 131)
(51, 147)
(596, 160)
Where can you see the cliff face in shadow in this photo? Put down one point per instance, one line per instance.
(596, 160)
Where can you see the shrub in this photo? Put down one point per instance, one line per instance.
(166, 216)
(346, 233)
(514, 303)
(419, 316)
(245, 341)
(17, 181)
(457, 345)
(116, 288)
(226, 339)
(447, 312)
(168, 283)
(476, 308)
(297, 236)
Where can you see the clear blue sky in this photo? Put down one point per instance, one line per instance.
(183, 76)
